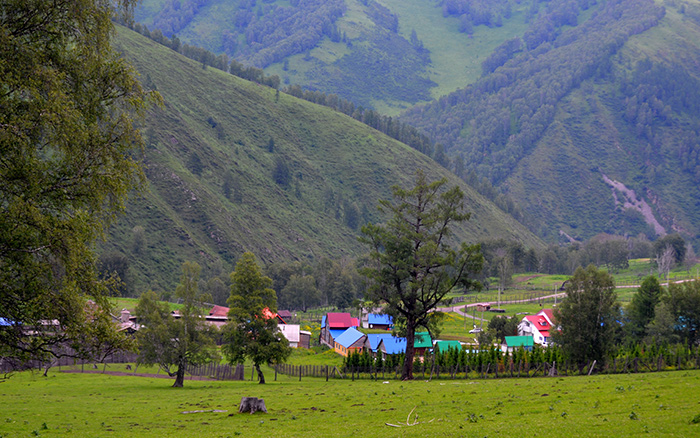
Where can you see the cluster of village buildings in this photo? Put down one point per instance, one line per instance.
(341, 332)
(218, 316)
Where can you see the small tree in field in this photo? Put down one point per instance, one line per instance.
(412, 267)
(252, 330)
(174, 343)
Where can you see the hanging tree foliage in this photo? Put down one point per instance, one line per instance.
(66, 165)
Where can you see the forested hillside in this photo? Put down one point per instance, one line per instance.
(591, 120)
(233, 166)
(380, 54)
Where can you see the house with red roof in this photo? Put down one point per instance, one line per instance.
(538, 326)
(333, 325)
(218, 316)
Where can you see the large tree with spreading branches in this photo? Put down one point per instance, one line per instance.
(412, 264)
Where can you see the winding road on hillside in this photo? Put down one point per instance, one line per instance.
(462, 308)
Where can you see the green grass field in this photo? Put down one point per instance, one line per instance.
(95, 405)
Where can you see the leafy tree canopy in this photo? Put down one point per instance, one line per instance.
(66, 136)
(252, 331)
(588, 316)
(412, 265)
(641, 309)
(172, 342)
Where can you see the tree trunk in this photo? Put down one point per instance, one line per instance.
(261, 378)
(179, 377)
(180, 374)
(407, 372)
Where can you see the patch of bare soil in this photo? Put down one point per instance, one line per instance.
(526, 278)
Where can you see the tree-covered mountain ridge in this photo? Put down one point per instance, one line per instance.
(235, 166)
(382, 54)
(613, 95)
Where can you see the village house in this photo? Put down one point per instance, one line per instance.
(537, 326)
(126, 323)
(285, 315)
(443, 346)
(297, 338)
(393, 345)
(350, 341)
(380, 321)
(373, 340)
(514, 342)
(333, 325)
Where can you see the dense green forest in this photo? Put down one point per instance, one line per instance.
(590, 120)
(234, 166)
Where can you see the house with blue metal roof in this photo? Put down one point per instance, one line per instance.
(350, 341)
(391, 345)
(373, 340)
(380, 321)
(394, 345)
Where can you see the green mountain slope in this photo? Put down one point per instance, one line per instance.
(381, 54)
(594, 127)
(234, 166)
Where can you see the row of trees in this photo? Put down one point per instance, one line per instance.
(592, 325)
(262, 33)
(478, 12)
(388, 125)
(552, 360)
(503, 258)
(174, 342)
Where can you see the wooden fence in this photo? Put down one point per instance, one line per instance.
(217, 371)
(300, 371)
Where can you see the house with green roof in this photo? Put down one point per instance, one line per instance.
(513, 342)
(443, 346)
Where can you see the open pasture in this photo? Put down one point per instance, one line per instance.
(97, 405)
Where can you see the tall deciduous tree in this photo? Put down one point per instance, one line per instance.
(683, 301)
(66, 165)
(252, 330)
(588, 316)
(412, 266)
(641, 309)
(172, 342)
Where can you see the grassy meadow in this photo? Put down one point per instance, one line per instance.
(97, 405)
